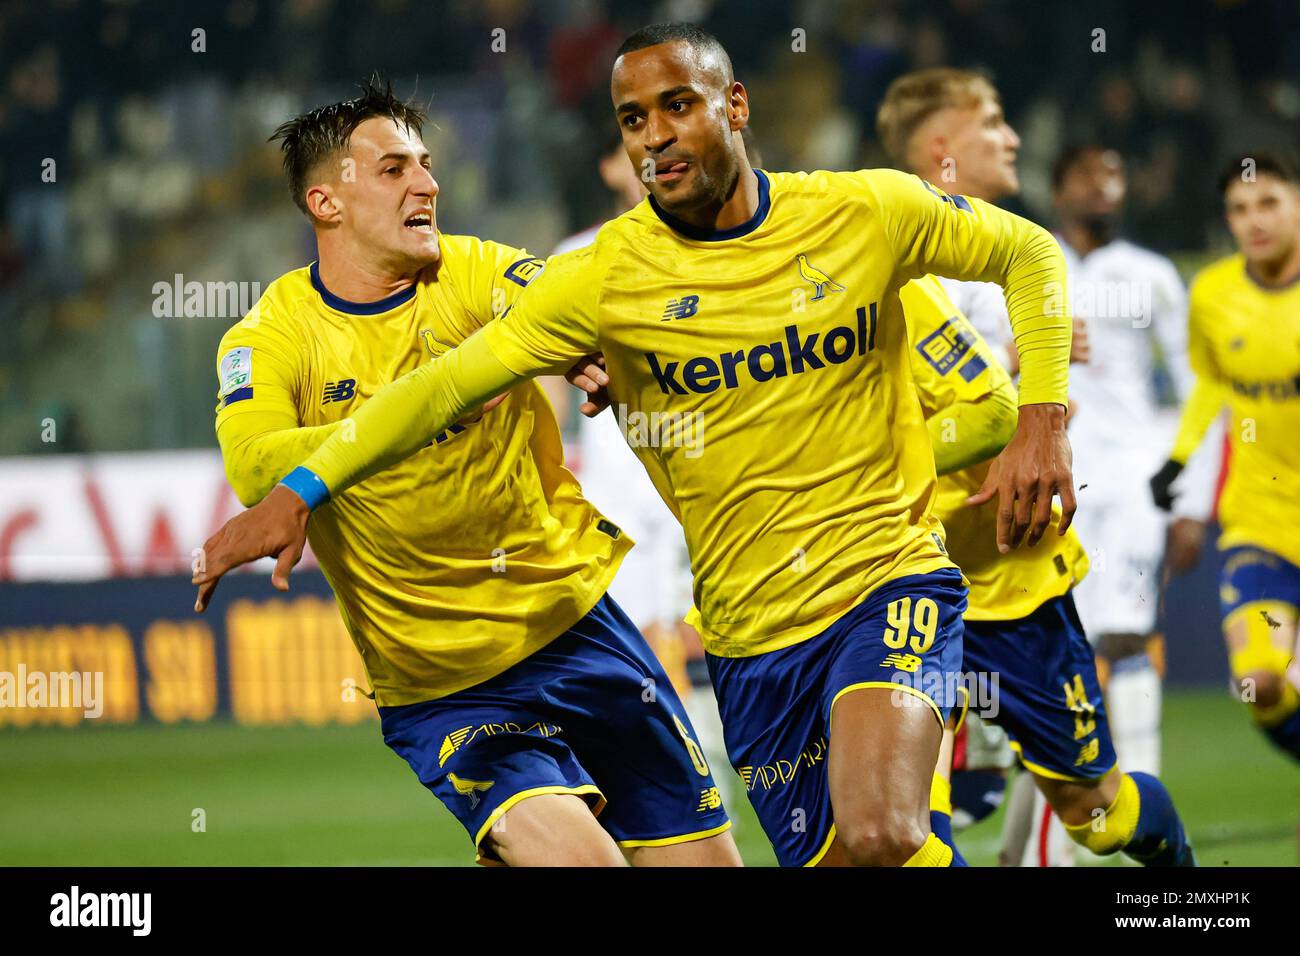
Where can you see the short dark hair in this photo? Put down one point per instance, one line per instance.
(315, 136)
(1072, 155)
(1273, 164)
(699, 39)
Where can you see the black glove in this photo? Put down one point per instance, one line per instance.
(1161, 481)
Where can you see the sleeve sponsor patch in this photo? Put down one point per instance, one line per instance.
(235, 371)
(972, 368)
(945, 346)
(524, 271)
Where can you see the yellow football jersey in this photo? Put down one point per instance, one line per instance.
(1243, 344)
(460, 561)
(952, 363)
(763, 378)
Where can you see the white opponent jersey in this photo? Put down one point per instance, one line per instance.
(1135, 306)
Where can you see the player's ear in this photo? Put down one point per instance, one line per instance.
(323, 204)
(738, 106)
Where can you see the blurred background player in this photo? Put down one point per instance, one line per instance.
(1135, 306)
(1021, 623)
(1244, 347)
(947, 126)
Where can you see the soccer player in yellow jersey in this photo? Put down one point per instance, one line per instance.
(1244, 348)
(472, 575)
(1021, 623)
(763, 309)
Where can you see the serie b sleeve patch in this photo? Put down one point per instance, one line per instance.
(235, 371)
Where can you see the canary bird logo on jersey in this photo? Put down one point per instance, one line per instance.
(822, 283)
(470, 788)
(432, 343)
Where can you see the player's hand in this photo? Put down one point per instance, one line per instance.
(275, 527)
(1080, 348)
(1162, 484)
(1186, 537)
(589, 376)
(1035, 466)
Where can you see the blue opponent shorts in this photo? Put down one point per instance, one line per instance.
(1252, 574)
(592, 713)
(776, 707)
(1042, 676)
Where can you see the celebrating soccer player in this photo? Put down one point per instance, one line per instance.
(1021, 621)
(820, 575)
(472, 575)
(1244, 347)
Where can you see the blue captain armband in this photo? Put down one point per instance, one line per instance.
(308, 486)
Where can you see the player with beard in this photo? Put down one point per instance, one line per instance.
(766, 304)
(472, 575)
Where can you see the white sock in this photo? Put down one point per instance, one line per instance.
(1133, 708)
(1017, 825)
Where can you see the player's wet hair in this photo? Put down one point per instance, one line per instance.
(915, 97)
(1072, 155)
(315, 136)
(699, 40)
(1271, 164)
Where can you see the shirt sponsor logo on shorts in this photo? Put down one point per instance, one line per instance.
(781, 772)
(466, 735)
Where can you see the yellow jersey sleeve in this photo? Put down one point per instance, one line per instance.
(488, 277)
(969, 404)
(966, 238)
(547, 329)
(1207, 397)
(556, 322)
(257, 411)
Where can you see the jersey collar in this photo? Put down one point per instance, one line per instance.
(359, 308)
(1264, 286)
(718, 235)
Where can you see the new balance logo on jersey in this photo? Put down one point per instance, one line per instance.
(682, 308)
(797, 354)
(339, 391)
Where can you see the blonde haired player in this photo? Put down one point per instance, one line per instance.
(1022, 621)
(819, 571)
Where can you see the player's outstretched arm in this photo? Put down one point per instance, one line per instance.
(398, 421)
(257, 455)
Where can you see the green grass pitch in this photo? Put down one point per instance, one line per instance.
(337, 796)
